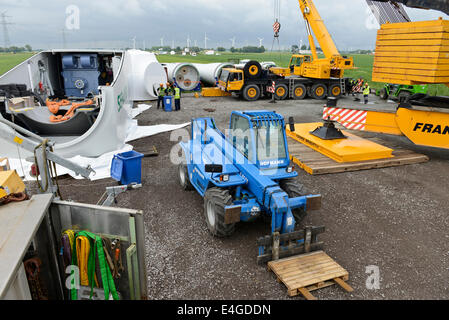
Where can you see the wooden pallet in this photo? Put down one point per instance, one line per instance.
(307, 272)
(316, 163)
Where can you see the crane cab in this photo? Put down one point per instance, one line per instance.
(231, 80)
(260, 137)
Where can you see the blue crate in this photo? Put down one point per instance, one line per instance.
(168, 103)
(127, 167)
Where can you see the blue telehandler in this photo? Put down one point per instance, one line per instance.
(247, 174)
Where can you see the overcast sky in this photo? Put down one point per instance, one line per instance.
(113, 23)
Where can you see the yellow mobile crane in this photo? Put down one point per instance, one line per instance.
(306, 74)
(310, 66)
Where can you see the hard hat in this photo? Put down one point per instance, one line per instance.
(161, 84)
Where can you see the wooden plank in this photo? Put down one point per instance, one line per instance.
(318, 278)
(343, 284)
(313, 271)
(306, 294)
(292, 270)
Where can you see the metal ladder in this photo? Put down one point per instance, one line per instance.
(291, 86)
(343, 86)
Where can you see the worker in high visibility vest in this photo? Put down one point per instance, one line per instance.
(160, 95)
(169, 90)
(366, 92)
(177, 98)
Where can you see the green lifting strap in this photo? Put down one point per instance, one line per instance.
(105, 271)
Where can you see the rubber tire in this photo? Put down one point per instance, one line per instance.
(331, 88)
(185, 183)
(383, 94)
(304, 93)
(219, 199)
(285, 95)
(295, 189)
(315, 87)
(247, 70)
(245, 93)
(403, 96)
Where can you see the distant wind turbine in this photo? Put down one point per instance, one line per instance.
(233, 42)
(205, 40)
(134, 42)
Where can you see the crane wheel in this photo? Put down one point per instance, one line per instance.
(319, 91)
(295, 189)
(335, 90)
(215, 201)
(183, 175)
(252, 69)
(281, 92)
(251, 92)
(299, 92)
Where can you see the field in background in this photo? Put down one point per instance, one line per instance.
(364, 64)
(10, 60)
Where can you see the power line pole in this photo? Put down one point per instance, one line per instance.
(5, 24)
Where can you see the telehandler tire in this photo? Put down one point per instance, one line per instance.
(183, 176)
(215, 201)
(295, 189)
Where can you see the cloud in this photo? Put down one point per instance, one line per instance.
(116, 8)
(117, 21)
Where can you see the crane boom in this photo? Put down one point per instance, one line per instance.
(316, 24)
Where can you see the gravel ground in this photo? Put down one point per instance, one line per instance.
(393, 218)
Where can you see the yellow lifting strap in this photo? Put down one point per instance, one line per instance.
(82, 255)
(71, 235)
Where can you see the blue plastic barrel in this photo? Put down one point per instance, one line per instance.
(168, 103)
(127, 167)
